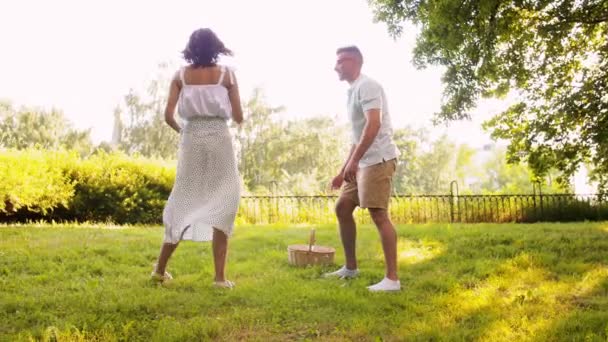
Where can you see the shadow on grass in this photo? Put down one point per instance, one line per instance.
(505, 282)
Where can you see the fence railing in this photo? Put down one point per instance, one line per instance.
(430, 208)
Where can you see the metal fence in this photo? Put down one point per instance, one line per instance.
(430, 208)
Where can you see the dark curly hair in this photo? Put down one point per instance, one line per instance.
(204, 48)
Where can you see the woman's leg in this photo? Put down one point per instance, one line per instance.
(166, 251)
(220, 249)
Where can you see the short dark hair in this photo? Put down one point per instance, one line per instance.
(204, 48)
(352, 49)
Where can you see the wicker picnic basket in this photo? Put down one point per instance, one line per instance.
(304, 255)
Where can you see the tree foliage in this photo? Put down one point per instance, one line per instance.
(287, 156)
(553, 54)
(143, 127)
(34, 127)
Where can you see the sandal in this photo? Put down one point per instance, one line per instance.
(160, 277)
(226, 284)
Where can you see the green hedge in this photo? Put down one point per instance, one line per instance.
(35, 181)
(115, 188)
(105, 187)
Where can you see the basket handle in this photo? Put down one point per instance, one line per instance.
(311, 241)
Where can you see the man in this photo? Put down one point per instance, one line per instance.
(368, 170)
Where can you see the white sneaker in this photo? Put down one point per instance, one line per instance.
(386, 285)
(342, 273)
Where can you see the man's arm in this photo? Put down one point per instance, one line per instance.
(336, 183)
(350, 154)
(370, 131)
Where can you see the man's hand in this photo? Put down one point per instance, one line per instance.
(336, 183)
(350, 171)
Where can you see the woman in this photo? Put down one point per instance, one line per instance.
(205, 197)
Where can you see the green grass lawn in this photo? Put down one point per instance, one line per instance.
(461, 282)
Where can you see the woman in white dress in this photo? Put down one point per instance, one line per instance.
(205, 197)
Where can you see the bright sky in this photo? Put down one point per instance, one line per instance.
(83, 56)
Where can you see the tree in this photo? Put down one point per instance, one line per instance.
(254, 138)
(314, 147)
(553, 54)
(34, 127)
(292, 157)
(466, 168)
(408, 142)
(503, 178)
(144, 130)
(424, 167)
(437, 167)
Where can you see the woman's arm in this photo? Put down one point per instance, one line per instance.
(235, 98)
(171, 104)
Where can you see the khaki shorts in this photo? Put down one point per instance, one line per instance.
(373, 186)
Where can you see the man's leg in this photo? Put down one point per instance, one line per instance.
(348, 230)
(374, 193)
(388, 236)
(345, 206)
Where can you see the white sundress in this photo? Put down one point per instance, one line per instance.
(206, 192)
